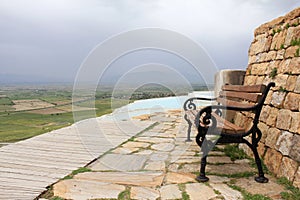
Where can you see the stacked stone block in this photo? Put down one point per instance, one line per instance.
(274, 57)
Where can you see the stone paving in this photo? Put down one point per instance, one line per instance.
(159, 164)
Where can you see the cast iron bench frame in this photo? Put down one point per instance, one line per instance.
(208, 118)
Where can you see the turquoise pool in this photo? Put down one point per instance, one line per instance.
(150, 106)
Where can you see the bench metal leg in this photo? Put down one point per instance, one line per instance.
(202, 177)
(261, 176)
(200, 139)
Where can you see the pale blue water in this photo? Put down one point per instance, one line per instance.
(151, 106)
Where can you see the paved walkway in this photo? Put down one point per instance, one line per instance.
(159, 164)
(29, 166)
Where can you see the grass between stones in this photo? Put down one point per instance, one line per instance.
(247, 195)
(184, 194)
(77, 171)
(293, 192)
(236, 175)
(235, 153)
(125, 195)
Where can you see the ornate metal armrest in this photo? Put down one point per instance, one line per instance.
(190, 105)
(208, 119)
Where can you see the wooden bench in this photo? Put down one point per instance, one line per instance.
(210, 121)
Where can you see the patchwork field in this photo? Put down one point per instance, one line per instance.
(29, 110)
(26, 111)
(48, 111)
(30, 104)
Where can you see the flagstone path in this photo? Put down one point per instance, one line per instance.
(159, 164)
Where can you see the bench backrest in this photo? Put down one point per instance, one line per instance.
(241, 95)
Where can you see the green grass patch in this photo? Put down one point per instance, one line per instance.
(77, 171)
(125, 195)
(184, 194)
(215, 148)
(56, 198)
(287, 26)
(249, 196)
(295, 42)
(293, 194)
(234, 152)
(282, 89)
(217, 191)
(297, 52)
(5, 101)
(16, 126)
(235, 175)
(22, 125)
(273, 73)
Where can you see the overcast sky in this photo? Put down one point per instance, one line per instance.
(51, 38)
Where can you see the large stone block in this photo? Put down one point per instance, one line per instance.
(292, 34)
(260, 80)
(284, 143)
(264, 28)
(253, 59)
(284, 119)
(294, 65)
(264, 113)
(273, 160)
(268, 79)
(280, 54)
(277, 99)
(291, 83)
(261, 57)
(284, 66)
(250, 80)
(293, 14)
(260, 44)
(269, 97)
(288, 168)
(259, 69)
(271, 65)
(280, 80)
(278, 40)
(297, 85)
(290, 52)
(295, 124)
(292, 101)
(261, 149)
(272, 136)
(289, 36)
(271, 121)
(264, 130)
(295, 149)
(271, 55)
(297, 178)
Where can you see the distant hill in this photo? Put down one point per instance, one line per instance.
(20, 79)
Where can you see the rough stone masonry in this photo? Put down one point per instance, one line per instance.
(274, 56)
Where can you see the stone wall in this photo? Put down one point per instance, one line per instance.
(274, 57)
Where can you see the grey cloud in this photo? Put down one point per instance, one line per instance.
(44, 37)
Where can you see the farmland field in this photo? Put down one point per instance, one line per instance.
(27, 110)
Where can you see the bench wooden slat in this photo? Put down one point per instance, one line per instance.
(227, 102)
(244, 88)
(241, 95)
(228, 127)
